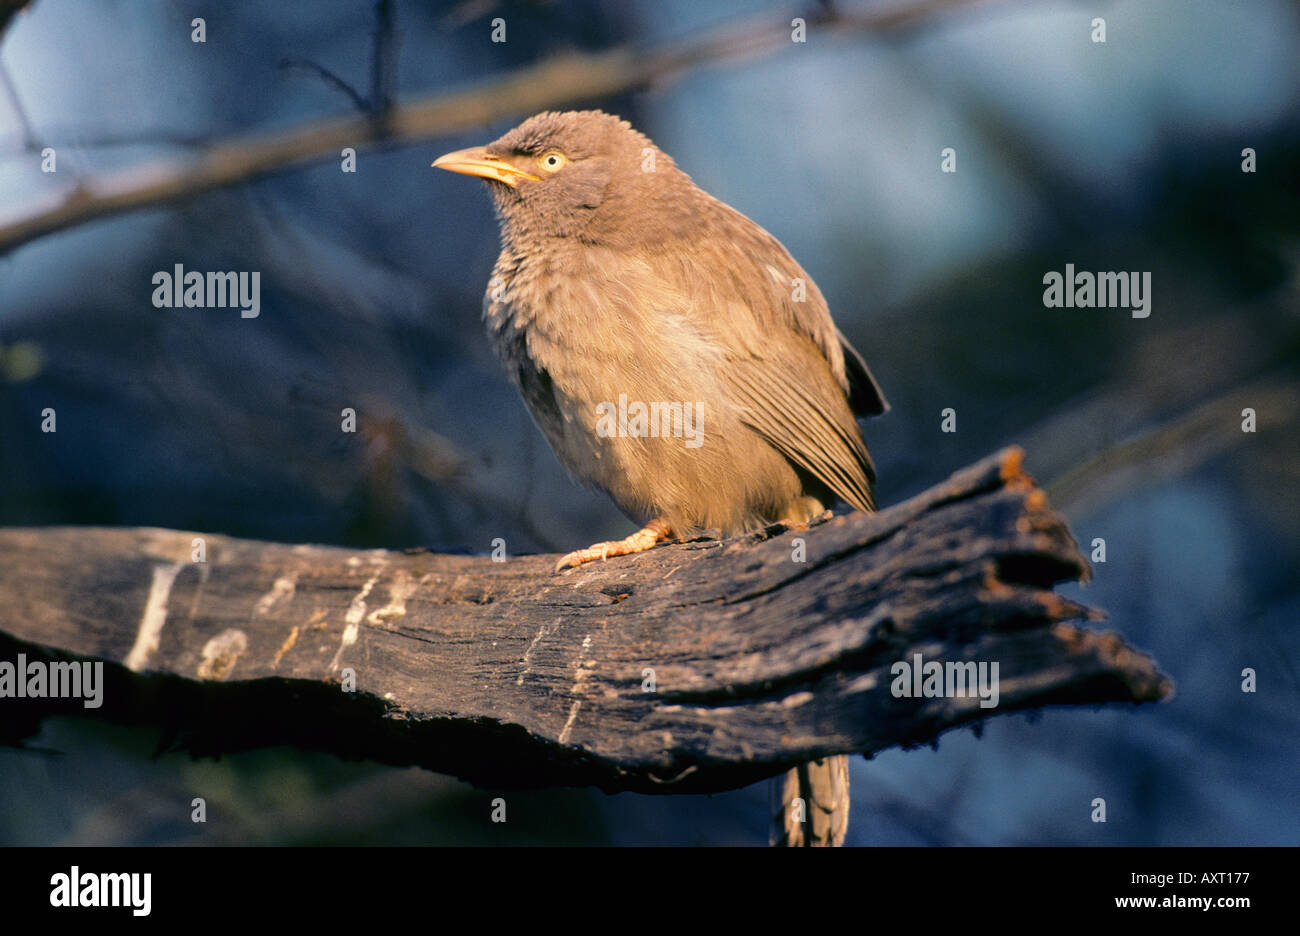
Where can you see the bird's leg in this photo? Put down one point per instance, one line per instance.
(654, 533)
(803, 513)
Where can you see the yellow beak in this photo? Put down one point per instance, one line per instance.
(477, 161)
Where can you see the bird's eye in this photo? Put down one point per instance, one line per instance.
(553, 161)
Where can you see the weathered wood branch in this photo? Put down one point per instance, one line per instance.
(555, 84)
(508, 675)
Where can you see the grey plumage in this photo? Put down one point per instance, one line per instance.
(619, 277)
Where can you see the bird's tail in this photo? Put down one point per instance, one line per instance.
(810, 803)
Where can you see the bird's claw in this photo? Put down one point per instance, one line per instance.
(653, 534)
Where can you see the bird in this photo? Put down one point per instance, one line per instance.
(676, 357)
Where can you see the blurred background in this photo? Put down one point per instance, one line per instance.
(1125, 155)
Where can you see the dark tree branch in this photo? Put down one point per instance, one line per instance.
(507, 675)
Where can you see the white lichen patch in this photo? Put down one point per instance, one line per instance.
(568, 725)
(528, 655)
(582, 668)
(221, 653)
(399, 590)
(349, 638)
(281, 593)
(154, 617)
(357, 610)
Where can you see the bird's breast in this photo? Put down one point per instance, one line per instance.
(620, 368)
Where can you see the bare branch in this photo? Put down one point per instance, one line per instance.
(694, 667)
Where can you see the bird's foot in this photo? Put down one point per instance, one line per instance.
(654, 533)
(805, 513)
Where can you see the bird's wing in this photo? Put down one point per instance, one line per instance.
(782, 294)
(865, 396)
(783, 370)
(790, 398)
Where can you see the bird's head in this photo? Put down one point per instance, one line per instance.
(552, 174)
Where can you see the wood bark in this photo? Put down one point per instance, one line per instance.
(700, 666)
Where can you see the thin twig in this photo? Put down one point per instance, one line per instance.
(331, 79)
